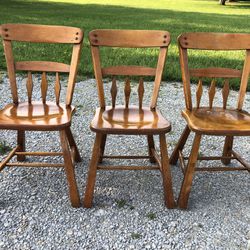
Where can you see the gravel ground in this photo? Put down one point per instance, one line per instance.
(128, 211)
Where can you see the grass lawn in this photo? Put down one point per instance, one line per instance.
(176, 16)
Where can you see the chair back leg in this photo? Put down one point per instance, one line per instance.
(180, 145)
(69, 169)
(102, 147)
(21, 144)
(188, 175)
(89, 191)
(166, 173)
(77, 157)
(151, 145)
(228, 145)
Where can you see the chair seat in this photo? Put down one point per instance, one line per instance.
(132, 120)
(218, 121)
(35, 116)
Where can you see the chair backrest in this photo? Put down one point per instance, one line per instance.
(128, 39)
(214, 41)
(42, 34)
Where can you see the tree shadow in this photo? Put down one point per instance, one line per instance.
(239, 5)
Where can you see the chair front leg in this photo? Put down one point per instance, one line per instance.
(228, 145)
(180, 145)
(102, 148)
(69, 169)
(21, 144)
(166, 173)
(70, 137)
(151, 145)
(188, 177)
(88, 197)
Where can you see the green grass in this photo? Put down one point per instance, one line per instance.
(135, 236)
(176, 16)
(4, 148)
(121, 203)
(151, 216)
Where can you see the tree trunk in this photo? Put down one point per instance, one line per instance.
(222, 2)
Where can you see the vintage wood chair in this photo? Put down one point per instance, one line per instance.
(129, 119)
(210, 120)
(42, 115)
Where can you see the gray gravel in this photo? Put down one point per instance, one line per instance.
(128, 211)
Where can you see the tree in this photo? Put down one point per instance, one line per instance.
(222, 2)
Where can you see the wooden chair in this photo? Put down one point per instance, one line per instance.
(42, 115)
(129, 119)
(210, 120)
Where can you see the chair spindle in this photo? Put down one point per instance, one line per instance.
(225, 93)
(127, 91)
(113, 91)
(44, 87)
(211, 93)
(57, 88)
(29, 86)
(140, 92)
(199, 92)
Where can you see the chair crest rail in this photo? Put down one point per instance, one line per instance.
(41, 33)
(214, 41)
(129, 38)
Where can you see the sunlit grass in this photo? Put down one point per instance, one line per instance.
(176, 16)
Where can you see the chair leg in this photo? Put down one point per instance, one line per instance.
(188, 177)
(151, 145)
(21, 144)
(73, 145)
(102, 149)
(89, 191)
(228, 145)
(69, 169)
(166, 173)
(180, 145)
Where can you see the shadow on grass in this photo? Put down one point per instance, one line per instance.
(239, 5)
(95, 16)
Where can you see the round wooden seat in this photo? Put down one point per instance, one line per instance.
(43, 116)
(218, 121)
(116, 120)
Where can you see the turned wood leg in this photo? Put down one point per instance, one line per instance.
(102, 148)
(180, 145)
(151, 145)
(188, 177)
(73, 146)
(89, 191)
(228, 145)
(21, 144)
(166, 173)
(69, 169)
